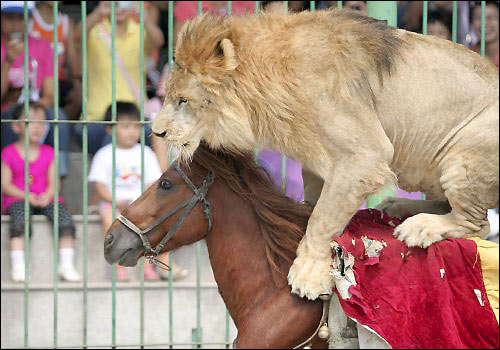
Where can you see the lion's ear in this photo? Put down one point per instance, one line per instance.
(225, 49)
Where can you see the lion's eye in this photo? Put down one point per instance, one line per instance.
(165, 184)
(182, 101)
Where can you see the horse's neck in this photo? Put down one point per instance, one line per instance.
(245, 280)
(237, 254)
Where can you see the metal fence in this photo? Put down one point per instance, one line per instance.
(382, 10)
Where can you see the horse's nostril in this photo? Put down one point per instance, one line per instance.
(160, 134)
(108, 239)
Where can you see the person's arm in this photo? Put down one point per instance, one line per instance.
(154, 37)
(102, 192)
(8, 187)
(161, 151)
(72, 57)
(5, 72)
(47, 98)
(100, 174)
(45, 197)
(13, 49)
(102, 11)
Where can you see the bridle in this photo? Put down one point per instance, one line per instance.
(188, 205)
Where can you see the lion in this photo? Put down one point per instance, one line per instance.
(359, 104)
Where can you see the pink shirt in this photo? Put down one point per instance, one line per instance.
(40, 62)
(37, 172)
(185, 10)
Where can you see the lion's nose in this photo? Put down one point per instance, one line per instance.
(160, 134)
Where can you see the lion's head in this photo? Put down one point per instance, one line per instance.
(192, 110)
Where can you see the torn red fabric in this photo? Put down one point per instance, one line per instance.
(417, 298)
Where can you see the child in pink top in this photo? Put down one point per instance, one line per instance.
(41, 192)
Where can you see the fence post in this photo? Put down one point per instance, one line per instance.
(26, 91)
(384, 10)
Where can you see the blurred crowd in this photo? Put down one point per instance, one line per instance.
(40, 34)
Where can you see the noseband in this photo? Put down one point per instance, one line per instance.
(188, 205)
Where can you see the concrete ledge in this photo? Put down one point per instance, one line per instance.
(99, 271)
(99, 313)
(70, 303)
(10, 286)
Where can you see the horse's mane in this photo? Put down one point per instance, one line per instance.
(282, 220)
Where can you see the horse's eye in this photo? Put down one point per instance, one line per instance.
(182, 101)
(165, 184)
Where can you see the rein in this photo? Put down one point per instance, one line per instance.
(188, 205)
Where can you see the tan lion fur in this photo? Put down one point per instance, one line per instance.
(358, 103)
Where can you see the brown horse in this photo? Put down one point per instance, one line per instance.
(252, 232)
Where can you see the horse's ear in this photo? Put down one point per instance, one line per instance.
(225, 50)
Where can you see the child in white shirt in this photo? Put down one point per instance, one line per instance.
(128, 172)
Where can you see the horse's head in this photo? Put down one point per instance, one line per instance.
(172, 212)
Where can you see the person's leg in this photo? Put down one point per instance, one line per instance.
(178, 273)
(67, 270)
(150, 273)
(16, 213)
(161, 150)
(106, 213)
(64, 140)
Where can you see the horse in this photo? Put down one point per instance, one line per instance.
(252, 231)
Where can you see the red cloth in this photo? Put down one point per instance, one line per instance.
(406, 301)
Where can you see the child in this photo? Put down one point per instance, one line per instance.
(41, 192)
(439, 24)
(40, 77)
(128, 172)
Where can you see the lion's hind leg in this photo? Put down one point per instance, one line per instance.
(469, 201)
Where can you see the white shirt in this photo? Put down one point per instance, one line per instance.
(128, 170)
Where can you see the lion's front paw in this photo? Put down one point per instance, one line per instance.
(424, 229)
(311, 277)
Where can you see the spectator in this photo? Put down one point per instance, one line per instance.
(439, 25)
(41, 193)
(491, 32)
(127, 63)
(358, 6)
(41, 27)
(326, 4)
(186, 10)
(41, 77)
(128, 175)
(279, 6)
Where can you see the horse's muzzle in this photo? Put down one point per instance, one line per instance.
(122, 248)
